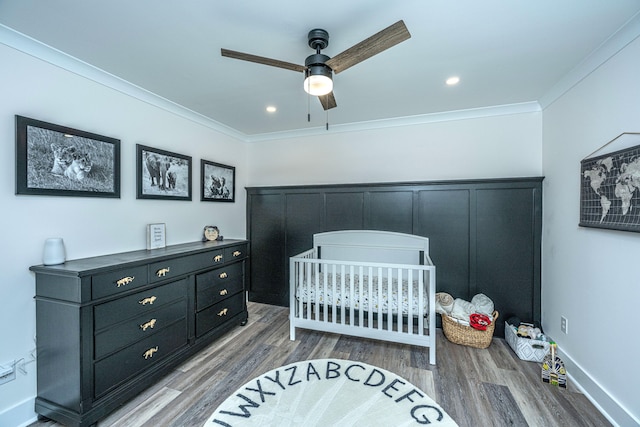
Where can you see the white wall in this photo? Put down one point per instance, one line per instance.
(490, 147)
(591, 275)
(89, 226)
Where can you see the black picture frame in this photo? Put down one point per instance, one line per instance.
(162, 174)
(217, 182)
(55, 160)
(609, 193)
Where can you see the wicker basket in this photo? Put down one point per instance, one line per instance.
(466, 335)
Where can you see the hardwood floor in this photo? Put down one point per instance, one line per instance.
(476, 387)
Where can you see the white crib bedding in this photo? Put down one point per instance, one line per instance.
(365, 302)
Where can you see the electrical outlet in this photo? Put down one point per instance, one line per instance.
(564, 324)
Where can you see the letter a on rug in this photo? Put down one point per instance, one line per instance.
(329, 392)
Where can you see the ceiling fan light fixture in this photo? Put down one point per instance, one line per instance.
(318, 85)
(318, 77)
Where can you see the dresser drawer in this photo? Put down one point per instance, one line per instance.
(217, 314)
(140, 303)
(236, 252)
(218, 284)
(121, 280)
(137, 328)
(175, 267)
(133, 360)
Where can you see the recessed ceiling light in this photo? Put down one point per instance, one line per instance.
(271, 109)
(453, 80)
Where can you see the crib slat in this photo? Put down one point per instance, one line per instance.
(409, 301)
(360, 297)
(380, 322)
(370, 311)
(332, 303)
(421, 306)
(343, 290)
(389, 298)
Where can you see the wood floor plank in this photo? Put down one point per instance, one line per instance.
(502, 406)
(476, 387)
(142, 413)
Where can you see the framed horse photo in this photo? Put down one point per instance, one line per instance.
(54, 160)
(162, 174)
(217, 182)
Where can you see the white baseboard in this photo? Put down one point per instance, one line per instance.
(617, 414)
(20, 415)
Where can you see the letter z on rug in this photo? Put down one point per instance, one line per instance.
(329, 392)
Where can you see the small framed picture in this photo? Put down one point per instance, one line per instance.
(217, 182)
(54, 160)
(162, 174)
(156, 236)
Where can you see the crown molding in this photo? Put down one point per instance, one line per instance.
(44, 52)
(446, 116)
(608, 49)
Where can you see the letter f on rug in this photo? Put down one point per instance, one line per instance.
(329, 392)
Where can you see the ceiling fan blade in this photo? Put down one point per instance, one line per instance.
(381, 41)
(328, 101)
(262, 60)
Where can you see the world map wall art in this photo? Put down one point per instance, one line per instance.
(610, 186)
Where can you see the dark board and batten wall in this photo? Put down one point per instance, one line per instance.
(485, 235)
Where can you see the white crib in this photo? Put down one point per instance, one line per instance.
(371, 284)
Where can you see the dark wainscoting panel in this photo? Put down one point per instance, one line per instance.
(485, 235)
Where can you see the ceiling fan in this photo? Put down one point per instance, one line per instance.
(318, 68)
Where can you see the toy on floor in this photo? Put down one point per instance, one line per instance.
(553, 370)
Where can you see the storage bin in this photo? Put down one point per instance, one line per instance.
(525, 348)
(458, 333)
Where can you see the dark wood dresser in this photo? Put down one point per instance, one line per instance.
(110, 326)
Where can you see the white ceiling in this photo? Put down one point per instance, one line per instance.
(509, 54)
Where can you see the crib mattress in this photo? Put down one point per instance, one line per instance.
(367, 301)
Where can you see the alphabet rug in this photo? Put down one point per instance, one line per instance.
(329, 392)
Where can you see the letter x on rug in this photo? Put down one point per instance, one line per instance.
(329, 392)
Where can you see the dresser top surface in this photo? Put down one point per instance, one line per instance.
(93, 264)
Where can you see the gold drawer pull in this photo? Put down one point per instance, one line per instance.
(150, 324)
(223, 275)
(223, 312)
(162, 272)
(148, 300)
(224, 292)
(125, 281)
(149, 353)
(217, 258)
(237, 253)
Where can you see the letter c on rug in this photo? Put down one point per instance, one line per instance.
(346, 372)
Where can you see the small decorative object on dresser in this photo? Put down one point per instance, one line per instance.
(210, 233)
(108, 327)
(53, 252)
(156, 236)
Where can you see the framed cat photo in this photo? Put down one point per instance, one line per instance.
(54, 160)
(217, 182)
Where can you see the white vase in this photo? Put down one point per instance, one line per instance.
(53, 251)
